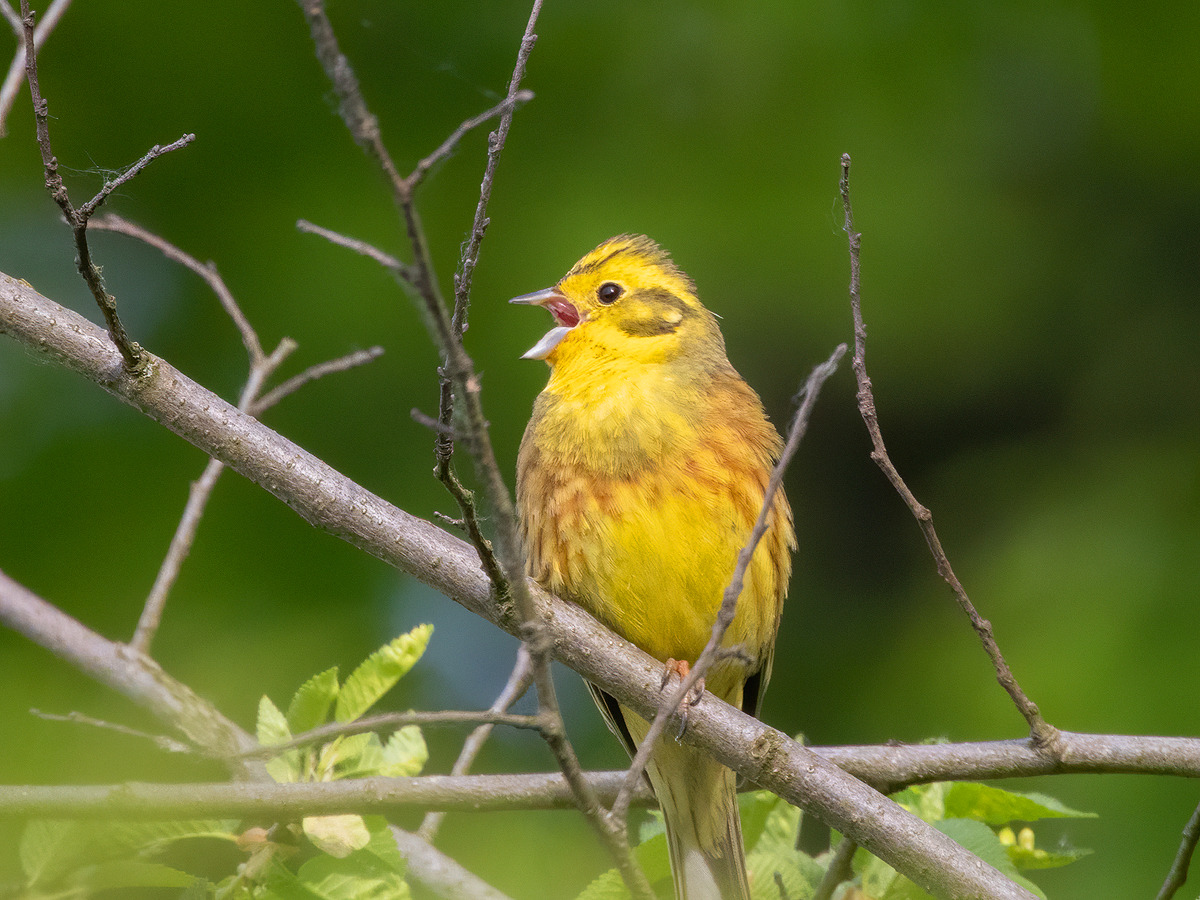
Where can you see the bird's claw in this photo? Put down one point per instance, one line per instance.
(682, 668)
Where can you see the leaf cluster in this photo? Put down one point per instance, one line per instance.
(330, 857)
(990, 822)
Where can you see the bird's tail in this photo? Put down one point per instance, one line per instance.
(698, 797)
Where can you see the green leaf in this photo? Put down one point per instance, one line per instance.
(1025, 855)
(360, 876)
(405, 753)
(755, 807)
(310, 706)
(339, 836)
(774, 853)
(996, 806)
(379, 673)
(272, 728)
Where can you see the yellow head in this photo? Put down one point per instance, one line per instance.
(625, 300)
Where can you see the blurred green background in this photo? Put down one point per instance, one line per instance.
(1026, 179)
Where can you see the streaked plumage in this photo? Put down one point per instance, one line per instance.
(639, 479)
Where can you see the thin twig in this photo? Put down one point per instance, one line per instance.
(1183, 858)
(838, 871)
(504, 109)
(208, 271)
(392, 264)
(88, 209)
(728, 609)
(252, 401)
(507, 569)
(132, 354)
(162, 741)
(311, 374)
(1043, 733)
(16, 71)
(389, 721)
(516, 686)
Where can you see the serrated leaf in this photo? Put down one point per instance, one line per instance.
(359, 876)
(311, 703)
(608, 886)
(339, 836)
(405, 753)
(383, 844)
(996, 806)
(272, 728)
(379, 673)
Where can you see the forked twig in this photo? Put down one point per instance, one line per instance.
(252, 401)
(1044, 735)
(77, 218)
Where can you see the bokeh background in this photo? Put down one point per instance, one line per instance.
(1026, 179)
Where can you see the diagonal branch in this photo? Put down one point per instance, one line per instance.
(334, 503)
(262, 367)
(1044, 734)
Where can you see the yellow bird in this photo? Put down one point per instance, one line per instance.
(640, 476)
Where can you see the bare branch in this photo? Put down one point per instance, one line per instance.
(163, 742)
(334, 503)
(503, 109)
(389, 262)
(838, 871)
(311, 374)
(1178, 874)
(77, 219)
(1044, 733)
(85, 212)
(207, 271)
(124, 670)
(900, 764)
(438, 872)
(388, 721)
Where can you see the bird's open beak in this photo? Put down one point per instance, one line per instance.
(566, 317)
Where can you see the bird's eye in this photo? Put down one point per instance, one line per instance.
(609, 292)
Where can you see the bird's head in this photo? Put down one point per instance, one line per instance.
(625, 299)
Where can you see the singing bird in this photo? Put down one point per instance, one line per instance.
(640, 476)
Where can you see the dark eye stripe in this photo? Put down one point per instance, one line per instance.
(666, 313)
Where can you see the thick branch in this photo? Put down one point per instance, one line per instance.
(335, 504)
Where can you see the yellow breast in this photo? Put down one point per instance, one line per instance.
(636, 509)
